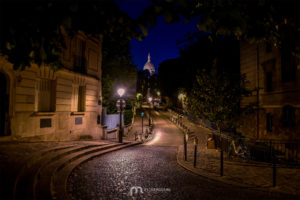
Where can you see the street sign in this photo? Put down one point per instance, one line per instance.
(142, 114)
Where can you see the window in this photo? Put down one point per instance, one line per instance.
(268, 47)
(78, 98)
(269, 81)
(269, 120)
(288, 116)
(79, 57)
(288, 67)
(46, 95)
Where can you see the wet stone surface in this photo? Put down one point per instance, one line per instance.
(155, 170)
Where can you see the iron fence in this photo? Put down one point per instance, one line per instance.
(284, 152)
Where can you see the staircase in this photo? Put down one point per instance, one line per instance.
(45, 174)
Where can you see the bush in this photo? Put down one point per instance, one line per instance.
(128, 115)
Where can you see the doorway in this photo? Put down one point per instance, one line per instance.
(4, 105)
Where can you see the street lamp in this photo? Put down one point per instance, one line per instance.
(121, 92)
(149, 99)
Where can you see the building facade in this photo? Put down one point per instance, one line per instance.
(274, 75)
(46, 105)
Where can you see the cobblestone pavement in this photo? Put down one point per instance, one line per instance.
(154, 168)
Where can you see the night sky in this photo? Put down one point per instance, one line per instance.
(161, 40)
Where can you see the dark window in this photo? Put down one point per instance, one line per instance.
(288, 116)
(268, 48)
(79, 57)
(269, 81)
(81, 99)
(288, 67)
(269, 122)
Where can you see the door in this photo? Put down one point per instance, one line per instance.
(4, 105)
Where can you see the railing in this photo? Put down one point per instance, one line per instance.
(285, 152)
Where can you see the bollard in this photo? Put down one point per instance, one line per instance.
(185, 140)
(274, 174)
(195, 151)
(221, 160)
(274, 167)
(221, 168)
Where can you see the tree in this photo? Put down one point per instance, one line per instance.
(198, 51)
(33, 31)
(272, 21)
(216, 96)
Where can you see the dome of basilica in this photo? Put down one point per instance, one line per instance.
(149, 66)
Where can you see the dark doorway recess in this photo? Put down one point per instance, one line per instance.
(4, 105)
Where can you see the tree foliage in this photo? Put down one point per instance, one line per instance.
(118, 70)
(32, 31)
(272, 21)
(216, 96)
(198, 51)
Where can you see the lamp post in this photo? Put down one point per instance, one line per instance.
(149, 99)
(181, 98)
(121, 92)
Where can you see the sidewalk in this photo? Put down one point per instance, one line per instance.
(256, 175)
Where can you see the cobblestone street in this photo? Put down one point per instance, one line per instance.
(153, 167)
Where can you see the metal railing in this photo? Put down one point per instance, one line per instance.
(283, 152)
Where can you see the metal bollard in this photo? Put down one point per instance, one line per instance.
(274, 167)
(195, 151)
(185, 140)
(221, 168)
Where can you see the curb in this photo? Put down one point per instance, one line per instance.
(223, 180)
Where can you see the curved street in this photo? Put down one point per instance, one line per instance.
(152, 168)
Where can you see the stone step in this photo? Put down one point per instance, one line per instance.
(31, 165)
(23, 188)
(42, 181)
(60, 178)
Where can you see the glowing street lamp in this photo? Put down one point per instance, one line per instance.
(149, 100)
(121, 92)
(180, 96)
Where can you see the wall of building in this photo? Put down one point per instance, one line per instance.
(259, 63)
(63, 121)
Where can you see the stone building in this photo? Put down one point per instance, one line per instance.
(275, 74)
(46, 105)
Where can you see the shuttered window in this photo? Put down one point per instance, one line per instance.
(46, 95)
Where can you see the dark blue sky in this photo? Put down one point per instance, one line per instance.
(161, 40)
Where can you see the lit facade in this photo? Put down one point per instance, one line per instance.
(41, 104)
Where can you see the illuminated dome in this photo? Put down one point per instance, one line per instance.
(149, 66)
